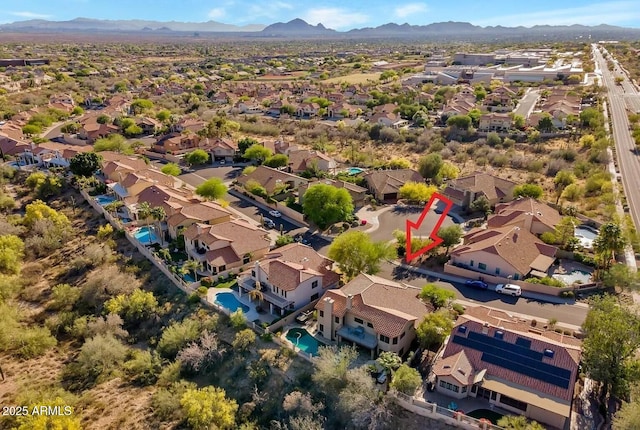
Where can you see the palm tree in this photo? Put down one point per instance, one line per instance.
(113, 206)
(610, 240)
(165, 254)
(256, 293)
(158, 214)
(144, 213)
(192, 266)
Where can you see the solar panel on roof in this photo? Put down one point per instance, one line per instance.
(514, 357)
(525, 343)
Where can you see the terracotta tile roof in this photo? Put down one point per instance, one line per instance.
(300, 160)
(303, 259)
(132, 179)
(387, 304)
(492, 186)
(242, 237)
(515, 212)
(287, 275)
(390, 181)
(514, 245)
(202, 211)
(566, 355)
(270, 178)
(222, 256)
(9, 146)
(158, 195)
(132, 164)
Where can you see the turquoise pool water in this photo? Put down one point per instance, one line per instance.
(188, 278)
(577, 276)
(105, 200)
(229, 301)
(355, 170)
(145, 235)
(303, 340)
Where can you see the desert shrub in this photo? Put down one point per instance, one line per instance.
(99, 359)
(45, 237)
(244, 339)
(237, 319)
(166, 401)
(176, 336)
(106, 282)
(555, 166)
(33, 342)
(100, 326)
(203, 354)
(143, 367)
(64, 297)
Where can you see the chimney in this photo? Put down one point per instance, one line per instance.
(485, 328)
(305, 263)
(528, 220)
(516, 231)
(349, 301)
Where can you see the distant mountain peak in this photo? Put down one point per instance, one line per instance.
(296, 27)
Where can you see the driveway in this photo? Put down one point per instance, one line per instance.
(396, 218)
(198, 176)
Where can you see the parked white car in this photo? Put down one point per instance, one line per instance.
(509, 289)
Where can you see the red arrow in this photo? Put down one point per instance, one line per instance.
(434, 232)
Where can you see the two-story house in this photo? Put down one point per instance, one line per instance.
(513, 365)
(202, 212)
(290, 277)
(373, 313)
(495, 122)
(225, 246)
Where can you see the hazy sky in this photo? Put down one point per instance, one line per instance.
(337, 14)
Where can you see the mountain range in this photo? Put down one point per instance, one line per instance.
(298, 28)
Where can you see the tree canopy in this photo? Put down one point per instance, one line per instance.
(171, 169)
(197, 156)
(257, 153)
(429, 166)
(85, 163)
(208, 407)
(528, 190)
(355, 253)
(416, 192)
(212, 189)
(325, 204)
(434, 329)
(277, 160)
(612, 336)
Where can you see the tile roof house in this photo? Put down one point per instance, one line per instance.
(221, 149)
(270, 178)
(290, 277)
(117, 170)
(225, 246)
(528, 213)
(10, 146)
(495, 121)
(372, 312)
(202, 212)
(303, 159)
(357, 193)
(465, 190)
(493, 355)
(385, 184)
(508, 251)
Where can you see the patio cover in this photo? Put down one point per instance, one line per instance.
(528, 395)
(361, 338)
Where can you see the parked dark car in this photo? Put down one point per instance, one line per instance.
(476, 283)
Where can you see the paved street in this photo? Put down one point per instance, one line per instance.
(628, 161)
(395, 219)
(527, 103)
(568, 314)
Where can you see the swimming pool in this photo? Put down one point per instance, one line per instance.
(145, 235)
(577, 276)
(355, 170)
(229, 301)
(302, 339)
(104, 200)
(188, 278)
(586, 235)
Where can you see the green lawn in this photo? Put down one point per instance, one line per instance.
(226, 284)
(486, 413)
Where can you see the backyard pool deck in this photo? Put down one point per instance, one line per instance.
(251, 315)
(467, 404)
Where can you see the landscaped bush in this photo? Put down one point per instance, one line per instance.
(202, 290)
(547, 280)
